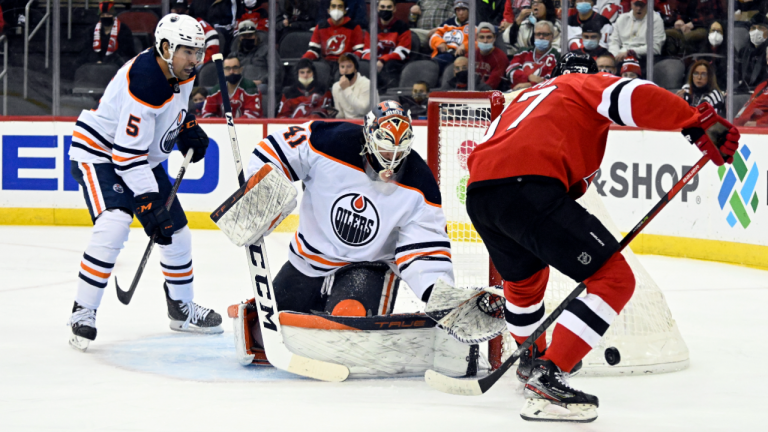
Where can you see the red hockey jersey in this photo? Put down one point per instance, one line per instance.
(526, 63)
(559, 128)
(246, 102)
(756, 109)
(491, 67)
(302, 102)
(330, 41)
(211, 40)
(394, 42)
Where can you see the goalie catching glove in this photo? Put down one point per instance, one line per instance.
(257, 208)
(713, 135)
(471, 316)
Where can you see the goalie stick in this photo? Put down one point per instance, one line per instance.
(261, 279)
(476, 387)
(126, 296)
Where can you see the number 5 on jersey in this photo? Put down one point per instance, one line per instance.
(133, 126)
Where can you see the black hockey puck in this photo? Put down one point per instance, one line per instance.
(612, 356)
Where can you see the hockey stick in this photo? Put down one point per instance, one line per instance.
(475, 387)
(261, 279)
(126, 296)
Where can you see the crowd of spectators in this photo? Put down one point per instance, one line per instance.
(518, 43)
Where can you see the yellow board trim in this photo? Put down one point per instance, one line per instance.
(710, 250)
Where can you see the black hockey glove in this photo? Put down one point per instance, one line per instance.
(154, 217)
(192, 136)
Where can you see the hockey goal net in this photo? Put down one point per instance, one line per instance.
(644, 334)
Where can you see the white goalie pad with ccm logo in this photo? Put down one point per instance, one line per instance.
(257, 207)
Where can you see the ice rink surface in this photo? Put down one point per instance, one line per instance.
(140, 376)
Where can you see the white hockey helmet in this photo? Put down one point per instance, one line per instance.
(387, 129)
(179, 30)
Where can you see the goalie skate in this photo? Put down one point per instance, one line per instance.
(551, 397)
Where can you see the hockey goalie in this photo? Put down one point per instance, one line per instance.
(370, 216)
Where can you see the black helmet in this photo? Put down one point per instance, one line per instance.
(575, 62)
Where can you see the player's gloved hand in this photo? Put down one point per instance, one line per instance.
(192, 136)
(287, 209)
(713, 135)
(154, 217)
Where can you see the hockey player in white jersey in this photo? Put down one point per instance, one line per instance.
(115, 156)
(370, 214)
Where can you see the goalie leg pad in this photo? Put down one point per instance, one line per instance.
(247, 350)
(372, 285)
(257, 207)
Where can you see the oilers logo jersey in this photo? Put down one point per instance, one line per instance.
(136, 124)
(346, 216)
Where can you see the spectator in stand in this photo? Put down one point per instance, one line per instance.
(112, 40)
(394, 46)
(244, 96)
(746, 9)
(251, 48)
(629, 32)
(355, 9)
(256, 11)
(219, 13)
(631, 68)
(351, 94)
(490, 62)
(692, 22)
(752, 58)
(755, 111)
(512, 8)
(451, 39)
(430, 14)
(606, 63)
(586, 14)
(336, 36)
(197, 100)
(532, 66)
(416, 102)
(460, 78)
(306, 98)
(490, 11)
(590, 39)
(717, 45)
(211, 35)
(299, 15)
(611, 9)
(519, 36)
(702, 87)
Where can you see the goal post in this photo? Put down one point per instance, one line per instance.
(644, 335)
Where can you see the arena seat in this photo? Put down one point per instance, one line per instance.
(669, 73)
(740, 38)
(292, 46)
(139, 22)
(207, 75)
(93, 78)
(420, 70)
(739, 100)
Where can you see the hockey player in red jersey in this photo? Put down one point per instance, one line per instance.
(536, 158)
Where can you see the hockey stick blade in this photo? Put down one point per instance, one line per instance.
(261, 280)
(476, 387)
(126, 296)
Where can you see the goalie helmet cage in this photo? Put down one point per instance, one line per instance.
(645, 335)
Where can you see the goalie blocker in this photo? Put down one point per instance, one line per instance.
(346, 319)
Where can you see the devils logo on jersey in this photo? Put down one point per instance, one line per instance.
(169, 137)
(336, 44)
(355, 219)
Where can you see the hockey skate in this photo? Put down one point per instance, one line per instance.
(83, 324)
(191, 317)
(525, 364)
(551, 398)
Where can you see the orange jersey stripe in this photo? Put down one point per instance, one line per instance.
(88, 141)
(316, 258)
(94, 193)
(124, 159)
(274, 155)
(94, 272)
(189, 273)
(407, 257)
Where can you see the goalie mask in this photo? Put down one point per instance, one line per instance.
(388, 137)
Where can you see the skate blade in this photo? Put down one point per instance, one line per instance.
(79, 343)
(179, 326)
(544, 410)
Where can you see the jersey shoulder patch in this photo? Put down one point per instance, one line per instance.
(147, 83)
(339, 140)
(418, 176)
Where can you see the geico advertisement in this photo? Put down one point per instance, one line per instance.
(639, 166)
(721, 203)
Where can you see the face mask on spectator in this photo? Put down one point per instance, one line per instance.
(419, 96)
(756, 36)
(590, 44)
(462, 76)
(485, 46)
(541, 44)
(351, 76)
(532, 19)
(106, 21)
(583, 7)
(234, 78)
(306, 81)
(336, 14)
(247, 44)
(199, 105)
(715, 38)
(250, 3)
(386, 15)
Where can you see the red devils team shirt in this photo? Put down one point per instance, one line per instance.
(330, 41)
(558, 128)
(394, 42)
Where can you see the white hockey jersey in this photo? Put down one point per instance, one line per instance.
(136, 123)
(346, 216)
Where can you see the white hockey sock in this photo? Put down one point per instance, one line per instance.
(107, 239)
(176, 262)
